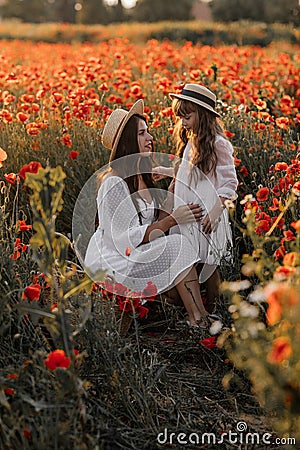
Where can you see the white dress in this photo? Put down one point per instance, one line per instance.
(205, 190)
(116, 246)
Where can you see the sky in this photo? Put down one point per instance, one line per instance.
(126, 3)
(130, 3)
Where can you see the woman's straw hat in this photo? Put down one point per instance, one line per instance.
(199, 95)
(116, 123)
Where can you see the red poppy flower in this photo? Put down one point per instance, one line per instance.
(296, 188)
(284, 272)
(12, 376)
(127, 251)
(228, 133)
(209, 342)
(22, 117)
(32, 167)
(281, 350)
(262, 226)
(58, 97)
(26, 433)
(73, 154)
(237, 161)
(244, 171)
(296, 225)
(142, 311)
(12, 178)
(282, 122)
(32, 292)
(288, 236)
(281, 166)
(19, 248)
(22, 226)
(291, 259)
(275, 206)
(262, 194)
(103, 87)
(57, 359)
(9, 391)
(149, 292)
(3, 156)
(125, 305)
(280, 252)
(66, 140)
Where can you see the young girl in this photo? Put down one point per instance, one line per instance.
(130, 243)
(205, 175)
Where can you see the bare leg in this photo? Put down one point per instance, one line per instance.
(171, 297)
(211, 282)
(189, 290)
(212, 290)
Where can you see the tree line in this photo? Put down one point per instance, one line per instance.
(103, 12)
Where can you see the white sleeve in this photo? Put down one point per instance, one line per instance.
(118, 216)
(227, 181)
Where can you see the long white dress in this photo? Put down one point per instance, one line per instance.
(196, 187)
(116, 246)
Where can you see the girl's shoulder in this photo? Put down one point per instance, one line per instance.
(223, 144)
(220, 138)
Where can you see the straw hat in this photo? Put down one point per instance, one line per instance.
(199, 95)
(116, 123)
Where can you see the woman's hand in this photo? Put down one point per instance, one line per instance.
(187, 214)
(160, 172)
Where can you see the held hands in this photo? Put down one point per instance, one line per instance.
(187, 214)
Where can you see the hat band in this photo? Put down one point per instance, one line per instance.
(198, 96)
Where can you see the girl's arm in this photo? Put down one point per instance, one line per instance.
(226, 184)
(182, 215)
(161, 172)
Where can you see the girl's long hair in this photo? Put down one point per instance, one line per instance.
(130, 168)
(207, 127)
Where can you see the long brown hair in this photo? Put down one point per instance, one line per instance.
(204, 154)
(130, 168)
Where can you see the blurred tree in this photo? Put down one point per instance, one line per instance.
(155, 10)
(66, 10)
(26, 10)
(284, 11)
(94, 11)
(116, 12)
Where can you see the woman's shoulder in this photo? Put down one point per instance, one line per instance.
(112, 185)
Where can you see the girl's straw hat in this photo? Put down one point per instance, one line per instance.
(116, 123)
(199, 95)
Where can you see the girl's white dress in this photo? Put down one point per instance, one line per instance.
(196, 187)
(116, 246)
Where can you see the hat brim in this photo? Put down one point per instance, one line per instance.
(137, 108)
(194, 100)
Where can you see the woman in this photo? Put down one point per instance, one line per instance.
(130, 243)
(206, 175)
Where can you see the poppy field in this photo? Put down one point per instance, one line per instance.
(69, 377)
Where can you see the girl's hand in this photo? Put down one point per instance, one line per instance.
(160, 172)
(171, 187)
(187, 214)
(211, 220)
